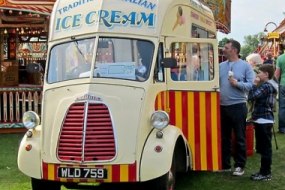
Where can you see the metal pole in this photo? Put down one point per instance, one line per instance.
(274, 48)
(274, 135)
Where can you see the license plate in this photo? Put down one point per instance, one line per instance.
(93, 173)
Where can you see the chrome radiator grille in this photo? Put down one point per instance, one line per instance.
(87, 134)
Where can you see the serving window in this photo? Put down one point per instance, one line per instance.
(195, 61)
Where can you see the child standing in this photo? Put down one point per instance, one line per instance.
(262, 94)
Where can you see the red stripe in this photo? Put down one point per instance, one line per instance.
(185, 113)
(116, 173)
(197, 131)
(209, 132)
(172, 107)
(132, 173)
(156, 103)
(45, 170)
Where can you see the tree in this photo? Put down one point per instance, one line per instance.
(251, 43)
(223, 42)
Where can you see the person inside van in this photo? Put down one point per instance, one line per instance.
(193, 63)
(145, 50)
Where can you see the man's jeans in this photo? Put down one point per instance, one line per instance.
(233, 118)
(281, 114)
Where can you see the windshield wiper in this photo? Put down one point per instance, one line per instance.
(79, 50)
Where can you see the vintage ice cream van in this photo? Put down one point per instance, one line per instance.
(131, 94)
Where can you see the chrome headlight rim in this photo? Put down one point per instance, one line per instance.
(160, 119)
(31, 119)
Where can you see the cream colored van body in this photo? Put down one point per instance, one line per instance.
(104, 81)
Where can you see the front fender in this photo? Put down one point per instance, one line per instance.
(155, 164)
(29, 162)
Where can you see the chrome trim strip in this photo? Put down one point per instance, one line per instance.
(84, 131)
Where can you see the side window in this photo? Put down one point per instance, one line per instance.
(198, 32)
(195, 61)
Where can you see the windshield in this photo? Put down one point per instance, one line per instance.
(128, 59)
(68, 60)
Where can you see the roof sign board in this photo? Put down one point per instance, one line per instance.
(77, 17)
(273, 35)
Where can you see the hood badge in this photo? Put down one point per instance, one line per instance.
(88, 97)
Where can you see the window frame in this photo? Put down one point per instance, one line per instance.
(210, 85)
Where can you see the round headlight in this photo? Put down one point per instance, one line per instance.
(31, 119)
(159, 120)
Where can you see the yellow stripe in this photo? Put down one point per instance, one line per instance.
(203, 138)
(191, 131)
(165, 103)
(63, 180)
(214, 125)
(76, 180)
(158, 99)
(178, 109)
(124, 173)
(109, 172)
(51, 171)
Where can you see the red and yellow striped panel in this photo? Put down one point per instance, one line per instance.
(197, 114)
(115, 173)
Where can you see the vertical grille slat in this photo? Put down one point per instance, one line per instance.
(99, 135)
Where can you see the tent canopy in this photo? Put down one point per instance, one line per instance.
(35, 6)
(25, 14)
(281, 28)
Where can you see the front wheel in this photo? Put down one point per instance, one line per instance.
(165, 182)
(38, 184)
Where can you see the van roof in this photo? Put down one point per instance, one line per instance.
(141, 17)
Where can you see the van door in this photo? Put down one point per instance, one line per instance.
(193, 94)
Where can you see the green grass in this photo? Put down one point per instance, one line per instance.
(12, 179)
(218, 181)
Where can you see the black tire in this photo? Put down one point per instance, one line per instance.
(38, 184)
(165, 182)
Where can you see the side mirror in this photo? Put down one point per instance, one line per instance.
(169, 63)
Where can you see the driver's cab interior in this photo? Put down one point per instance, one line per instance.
(116, 58)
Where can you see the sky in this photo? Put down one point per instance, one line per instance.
(249, 17)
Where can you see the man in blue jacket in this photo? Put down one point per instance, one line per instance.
(236, 79)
